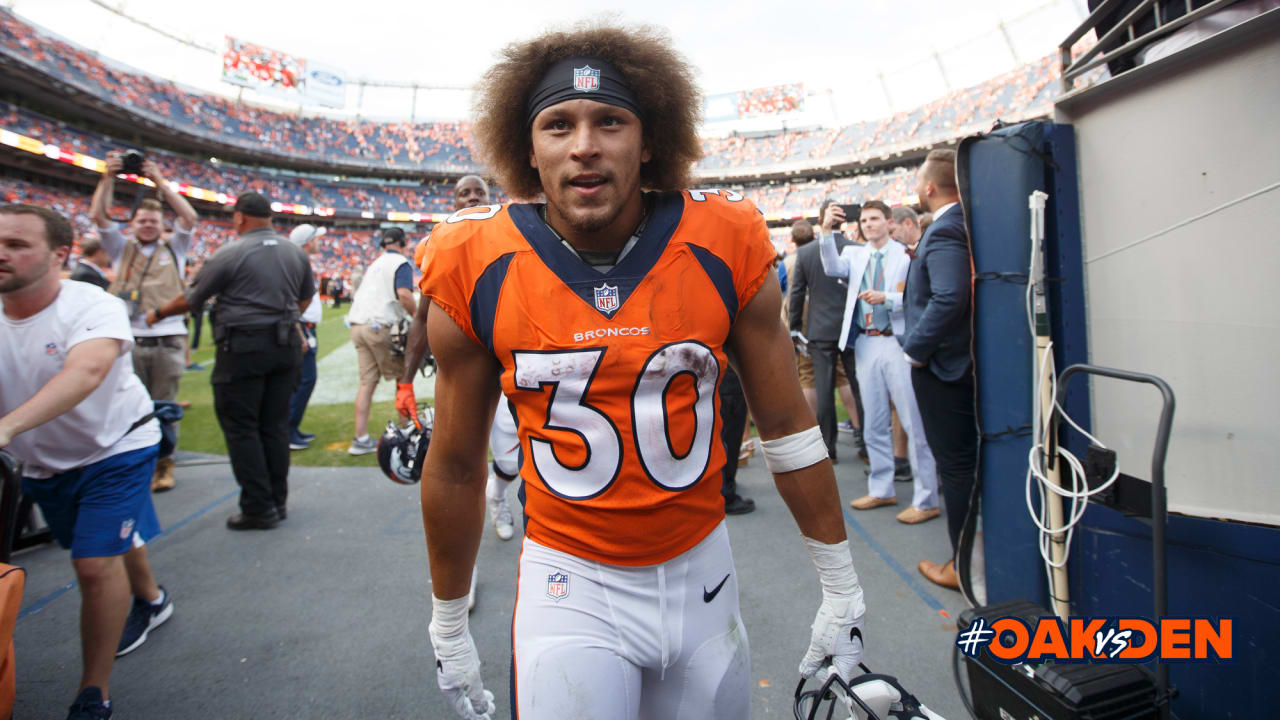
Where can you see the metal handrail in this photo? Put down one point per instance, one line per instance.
(1098, 54)
(1159, 498)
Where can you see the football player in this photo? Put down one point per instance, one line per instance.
(609, 314)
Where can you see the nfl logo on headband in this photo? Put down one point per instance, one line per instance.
(586, 79)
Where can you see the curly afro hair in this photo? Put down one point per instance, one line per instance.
(659, 77)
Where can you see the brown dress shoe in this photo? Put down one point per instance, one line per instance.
(869, 502)
(163, 478)
(944, 575)
(914, 515)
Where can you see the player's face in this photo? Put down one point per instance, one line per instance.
(25, 257)
(874, 226)
(147, 226)
(588, 156)
(469, 192)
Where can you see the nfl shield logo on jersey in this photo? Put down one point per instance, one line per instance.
(607, 298)
(558, 585)
(586, 79)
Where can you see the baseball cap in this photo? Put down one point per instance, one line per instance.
(304, 233)
(253, 204)
(391, 236)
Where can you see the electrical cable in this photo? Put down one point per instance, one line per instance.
(1037, 459)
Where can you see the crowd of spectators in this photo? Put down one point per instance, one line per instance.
(221, 177)
(1028, 87)
(447, 146)
(442, 146)
(342, 250)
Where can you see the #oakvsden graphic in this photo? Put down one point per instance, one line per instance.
(1100, 640)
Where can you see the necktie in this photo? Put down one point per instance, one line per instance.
(879, 313)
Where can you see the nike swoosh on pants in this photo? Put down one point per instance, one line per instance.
(709, 596)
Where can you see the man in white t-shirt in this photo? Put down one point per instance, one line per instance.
(72, 410)
(306, 237)
(150, 270)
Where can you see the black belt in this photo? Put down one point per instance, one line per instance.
(251, 330)
(873, 332)
(152, 341)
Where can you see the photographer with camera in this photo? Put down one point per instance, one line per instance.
(149, 271)
(383, 300)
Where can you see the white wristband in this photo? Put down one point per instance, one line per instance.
(448, 617)
(795, 451)
(835, 568)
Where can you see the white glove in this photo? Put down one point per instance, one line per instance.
(837, 628)
(457, 661)
(837, 634)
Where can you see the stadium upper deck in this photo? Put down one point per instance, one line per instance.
(36, 60)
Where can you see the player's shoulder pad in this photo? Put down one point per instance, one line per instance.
(723, 205)
(481, 232)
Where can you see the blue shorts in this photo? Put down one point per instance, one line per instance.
(102, 509)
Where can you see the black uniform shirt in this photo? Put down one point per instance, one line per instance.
(259, 280)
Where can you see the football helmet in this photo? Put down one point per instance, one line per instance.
(871, 696)
(402, 450)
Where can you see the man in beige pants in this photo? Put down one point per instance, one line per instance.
(385, 297)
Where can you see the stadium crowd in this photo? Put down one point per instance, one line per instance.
(447, 146)
(1030, 86)
(440, 146)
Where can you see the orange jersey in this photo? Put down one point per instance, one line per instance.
(612, 376)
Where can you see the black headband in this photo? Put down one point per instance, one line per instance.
(581, 78)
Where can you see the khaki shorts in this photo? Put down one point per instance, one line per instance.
(804, 367)
(373, 354)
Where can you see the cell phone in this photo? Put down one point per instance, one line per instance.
(851, 212)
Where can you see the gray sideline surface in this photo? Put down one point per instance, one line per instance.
(325, 617)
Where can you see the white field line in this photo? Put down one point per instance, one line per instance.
(337, 377)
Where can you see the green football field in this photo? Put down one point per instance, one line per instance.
(329, 415)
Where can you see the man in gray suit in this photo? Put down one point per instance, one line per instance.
(825, 310)
(936, 344)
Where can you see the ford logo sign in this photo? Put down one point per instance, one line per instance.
(325, 77)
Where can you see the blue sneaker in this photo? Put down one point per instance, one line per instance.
(306, 437)
(297, 442)
(89, 705)
(143, 618)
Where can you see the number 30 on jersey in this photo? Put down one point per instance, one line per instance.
(569, 374)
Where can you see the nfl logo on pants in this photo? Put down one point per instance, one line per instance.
(586, 79)
(607, 298)
(558, 585)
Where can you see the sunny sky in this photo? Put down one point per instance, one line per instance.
(839, 50)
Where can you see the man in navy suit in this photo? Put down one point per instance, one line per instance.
(93, 263)
(936, 344)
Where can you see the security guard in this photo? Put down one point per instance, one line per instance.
(263, 283)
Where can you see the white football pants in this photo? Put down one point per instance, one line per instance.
(606, 642)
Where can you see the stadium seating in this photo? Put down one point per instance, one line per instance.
(440, 146)
(446, 147)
